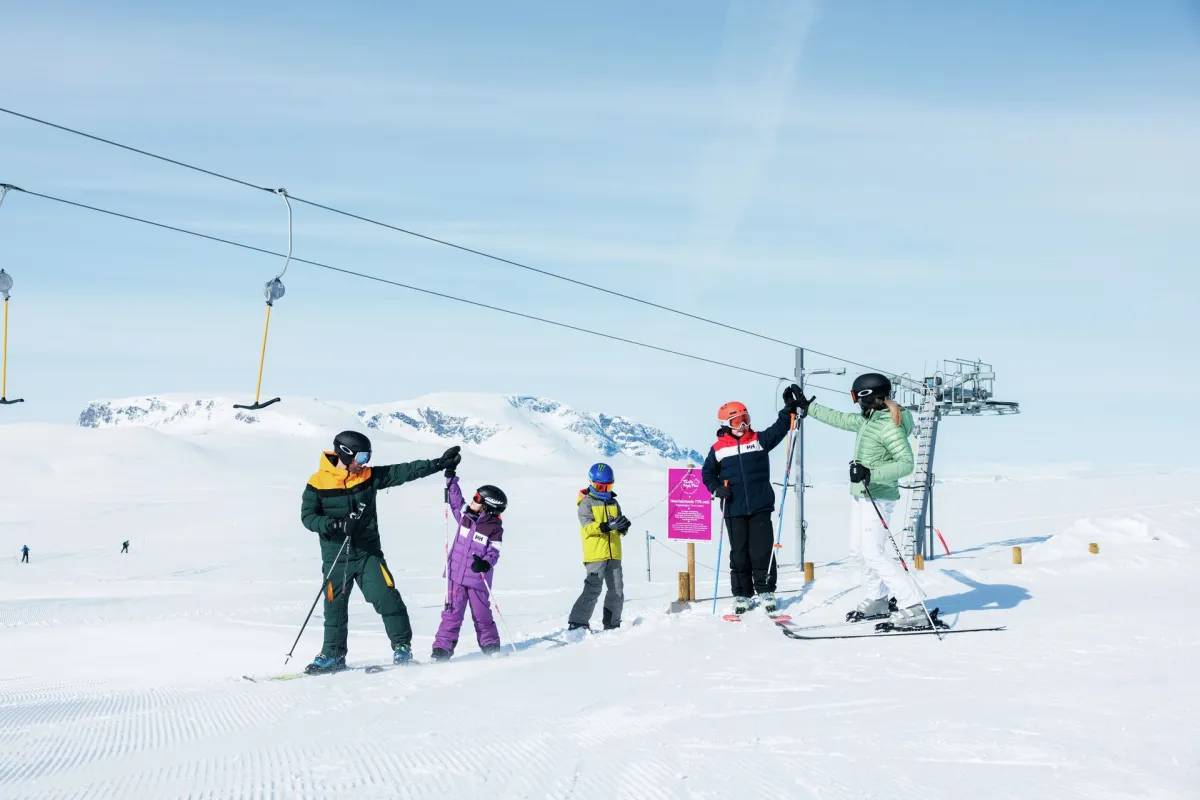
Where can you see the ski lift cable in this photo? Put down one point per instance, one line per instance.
(435, 240)
(398, 284)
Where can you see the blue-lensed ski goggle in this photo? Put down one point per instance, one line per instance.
(363, 457)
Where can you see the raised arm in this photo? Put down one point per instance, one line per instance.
(838, 419)
(455, 498)
(390, 475)
(772, 436)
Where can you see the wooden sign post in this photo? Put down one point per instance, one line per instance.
(691, 558)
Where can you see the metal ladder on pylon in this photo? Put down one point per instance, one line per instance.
(919, 481)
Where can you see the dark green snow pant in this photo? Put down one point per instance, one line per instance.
(378, 588)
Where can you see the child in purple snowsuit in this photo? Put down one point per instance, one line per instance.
(473, 553)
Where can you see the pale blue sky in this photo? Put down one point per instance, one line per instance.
(892, 182)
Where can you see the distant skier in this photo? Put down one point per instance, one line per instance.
(602, 525)
(882, 456)
(24, 554)
(342, 484)
(125, 546)
(740, 458)
(474, 553)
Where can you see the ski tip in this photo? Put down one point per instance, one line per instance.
(732, 618)
(780, 619)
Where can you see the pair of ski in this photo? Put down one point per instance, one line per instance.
(372, 669)
(885, 629)
(369, 669)
(856, 630)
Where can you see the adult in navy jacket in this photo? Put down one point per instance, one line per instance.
(740, 457)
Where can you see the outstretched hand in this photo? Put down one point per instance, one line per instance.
(795, 401)
(449, 461)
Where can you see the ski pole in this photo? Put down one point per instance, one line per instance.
(317, 599)
(892, 539)
(491, 599)
(324, 583)
(787, 474)
(720, 545)
(446, 549)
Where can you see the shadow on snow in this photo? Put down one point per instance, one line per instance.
(980, 597)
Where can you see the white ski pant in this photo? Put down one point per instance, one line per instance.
(871, 551)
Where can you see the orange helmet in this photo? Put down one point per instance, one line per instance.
(731, 411)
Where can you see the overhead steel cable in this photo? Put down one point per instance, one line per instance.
(436, 240)
(378, 279)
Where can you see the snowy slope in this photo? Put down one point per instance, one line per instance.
(120, 675)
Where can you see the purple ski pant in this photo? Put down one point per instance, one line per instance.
(456, 609)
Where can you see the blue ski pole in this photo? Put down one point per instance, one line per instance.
(720, 545)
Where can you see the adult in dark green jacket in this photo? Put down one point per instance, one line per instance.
(882, 456)
(339, 505)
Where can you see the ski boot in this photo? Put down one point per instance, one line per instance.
(911, 618)
(323, 665)
(440, 654)
(402, 655)
(741, 605)
(490, 649)
(767, 601)
(873, 609)
(577, 631)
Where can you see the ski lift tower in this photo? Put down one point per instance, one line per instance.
(961, 388)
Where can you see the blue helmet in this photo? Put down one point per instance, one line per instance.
(601, 473)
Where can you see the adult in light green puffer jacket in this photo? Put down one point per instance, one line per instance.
(881, 446)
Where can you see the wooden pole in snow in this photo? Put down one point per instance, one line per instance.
(691, 561)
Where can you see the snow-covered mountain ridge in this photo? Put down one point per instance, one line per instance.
(512, 428)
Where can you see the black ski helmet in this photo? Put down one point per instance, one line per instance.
(493, 500)
(871, 385)
(349, 444)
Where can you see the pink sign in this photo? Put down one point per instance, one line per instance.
(689, 506)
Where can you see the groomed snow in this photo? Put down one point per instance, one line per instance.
(120, 675)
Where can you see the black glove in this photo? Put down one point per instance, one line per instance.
(450, 473)
(347, 526)
(794, 401)
(859, 474)
(449, 460)
(619, 524)
(723, 493)
(479, 565)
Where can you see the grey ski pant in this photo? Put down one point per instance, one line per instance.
(598, 574)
